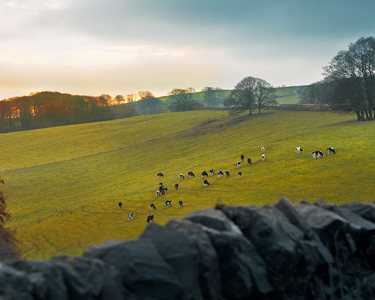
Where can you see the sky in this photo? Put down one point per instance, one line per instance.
(119, 47)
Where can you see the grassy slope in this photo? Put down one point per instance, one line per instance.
(284, 95)
(64, 183)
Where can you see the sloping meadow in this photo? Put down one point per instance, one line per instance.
(64, 183)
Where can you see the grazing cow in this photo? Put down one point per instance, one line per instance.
(212, 172)
(227, 173)
(239, 174)
(180, 204)
(160, 184)
(206, 183)
(164, 190)
(262, 149)
(2, 181)
(150, 219)
(242, 157)
(298, 149)
(191, 174)
(130, 216)
(168, 203)
(317, 154)
(120, 204)
(219, 174)
(329, 150)
(238, 164)
(153, 207)
(182, 177)
(160, 174)
(204, 174)
(176, 186)
(263, 157)
(157, 193)
(249, 161)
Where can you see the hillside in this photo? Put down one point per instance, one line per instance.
(64, 183)
(284, 95)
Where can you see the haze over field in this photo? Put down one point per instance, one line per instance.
(118, 47)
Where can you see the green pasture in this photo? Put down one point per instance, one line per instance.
(64, 183)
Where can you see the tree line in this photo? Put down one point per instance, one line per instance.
(48, 109)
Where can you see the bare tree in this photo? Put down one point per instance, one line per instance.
(142, 95)
(119, 99)
(264, 94)
(130, 98)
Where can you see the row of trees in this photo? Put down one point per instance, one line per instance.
(47, 109)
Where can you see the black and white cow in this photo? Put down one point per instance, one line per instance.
(204, 174)
(150, 218)
(263, 157)
(212, 172)
(120, 204)
(176, 186)
(227, 173)
(249, 161)
(153, 207)
(242, 157)
(331, 150)
(238, 164)
(239, 174)
(181, 177)
(262, 149)
(317, 154)
(191, 174)
(206, 183)
(160, 174)
(219, 174)
(168, 203)
(164, 190)
(298, 149)
(157, 193)
(180, 204)
(130, 216)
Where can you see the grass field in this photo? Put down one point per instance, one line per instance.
(64, 183)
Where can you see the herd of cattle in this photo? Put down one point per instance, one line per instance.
(162, 190)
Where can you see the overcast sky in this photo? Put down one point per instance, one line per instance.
(123, 46)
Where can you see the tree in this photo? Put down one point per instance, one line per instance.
(8, 248)
(264, 94)
(351, 79)
(249, 93)
(142, 95)
(211, 95)
(119, 99)
(130, 98)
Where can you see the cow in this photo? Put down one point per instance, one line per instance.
(160, 184)
(181, 177)
(180, 204)
(153, 207)
(164, 190)
(157, 193)
(176, 186)
(206, 183)
(329, 150)
(120, 204)
(249, 161)
(317, 154)
(130, 216)
(219, 174)
(212, 172)
(239, 175)
(262, 149)
(263, 157)
(150, 218)
(298, 149)
(238, 164)
(168, 203)
(242, 157)
(160, 174)
(227, 173)
(204, 174)
(191, 174)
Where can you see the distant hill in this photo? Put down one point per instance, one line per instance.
(284, 95)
